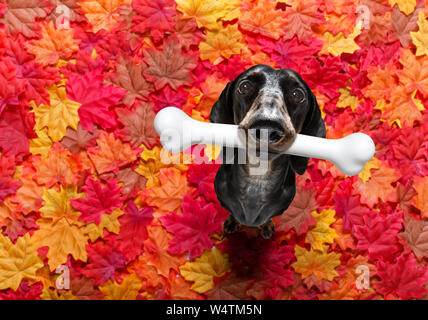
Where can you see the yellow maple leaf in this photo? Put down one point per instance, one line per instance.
(55, 44)
(231, 9)
(322, 233)
(62, 239)
(405, 6)
(319, 263)
(59, 115)
(221, 43)
(102, 14)
(338, 44)
(127, 290)
(366, 174)
(108, 221)
(52, 294)
(205, 12)
(57, 204)
(347, 99)
(420, 37)
(42, 144)
(17, 261)
(212, 263)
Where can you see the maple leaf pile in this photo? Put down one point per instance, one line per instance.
(84, 196)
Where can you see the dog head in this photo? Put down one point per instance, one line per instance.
(276, 101)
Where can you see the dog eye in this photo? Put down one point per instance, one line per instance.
(245, 87)
(298, 95)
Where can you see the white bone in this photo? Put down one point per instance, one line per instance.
(178, 132)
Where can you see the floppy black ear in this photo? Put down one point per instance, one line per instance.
(222, 111)
(312, 126)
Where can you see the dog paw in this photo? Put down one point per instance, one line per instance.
(267, 230)
(231, 225)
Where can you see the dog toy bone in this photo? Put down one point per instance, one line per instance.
(178, 132)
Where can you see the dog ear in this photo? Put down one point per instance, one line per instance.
(312, 126)
(222, 111)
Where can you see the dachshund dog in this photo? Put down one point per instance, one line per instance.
(282, 104)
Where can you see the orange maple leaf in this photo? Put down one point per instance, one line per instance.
(111, 153)
(156, 254)
(415, 72)
(169, 195)
(378, 185)
(102, 14)
(60, 167)
(263, 19)
(55, 44)
(402, 108)
(382, 82)
(421, 199)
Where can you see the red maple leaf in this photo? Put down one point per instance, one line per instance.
(193, 228)
(155, 16)
(404, 278)
(133, 229)
(104, 262)
(347, 204)
(95, 99)
(170, 66)
(16, 127)
(8, 185)
(290, 53)
(378, 233)
(24, 292)
(326, 76)
(99, 200)
(203, 176)
(10, 86)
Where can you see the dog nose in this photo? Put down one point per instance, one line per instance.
(267, 131)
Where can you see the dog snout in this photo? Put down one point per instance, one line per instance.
(265, 130)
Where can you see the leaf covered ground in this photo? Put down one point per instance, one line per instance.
(81, 181)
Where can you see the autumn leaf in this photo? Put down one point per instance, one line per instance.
(414, 74)
(231, 288)
(338, 44)
(415, 236)
(263, 19)
(221, 44)
(17, 261)
(319, 263)
(62, 239)
(99, 200)
(403, 278)
(321, 233)
(133, 229)
(110, 154)
(129, 76)
(205, 12)
(420, 200)
(127, 290)
(55, 44)
(102, 14)
(108, 222)
(403, 25)
(299, 214)
(168, 67)
(378, 234)
(21, 15)
(406, 6)
(103, 263)
(61, 113)
(78, 139)
(156, 254)
(95, 99)
(193, 228)
(169, 195)
(138, 126)
(300, 18)
(419, 37)
(213, 263)
(379, 186)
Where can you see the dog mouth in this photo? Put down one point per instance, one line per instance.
(270, 136)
